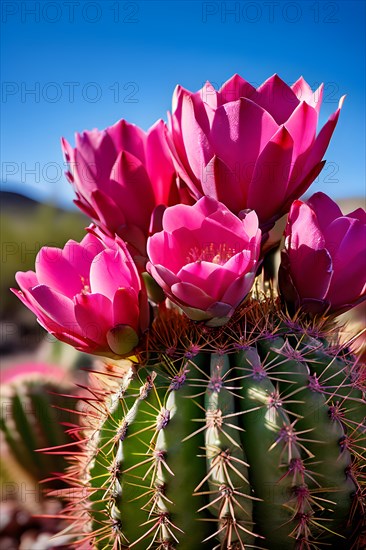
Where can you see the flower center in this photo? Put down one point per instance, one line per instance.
(216, 253)
(85, 286)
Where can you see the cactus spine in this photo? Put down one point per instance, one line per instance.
(247, 436)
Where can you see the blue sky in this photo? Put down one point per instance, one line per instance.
(74, 65)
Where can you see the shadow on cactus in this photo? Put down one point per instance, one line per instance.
(240, 422)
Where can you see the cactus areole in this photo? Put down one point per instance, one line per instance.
(239, 422)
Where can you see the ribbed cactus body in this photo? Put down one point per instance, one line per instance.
(34, 415)
(232, 443)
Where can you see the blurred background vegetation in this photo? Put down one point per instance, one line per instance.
(33, 367)
(26, 226)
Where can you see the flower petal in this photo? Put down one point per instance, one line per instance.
(130, 185)
(93, 313)
(210, 277)
(126, 308)
(271, 173)
(240, 130)
(322, 141)
(159, 166)
(239, 289)
(221, 183)
(234, 88)
(56, 272)
(190, 295)
(109, 214)
(163, 276)
(56, 306)
(196, 143)
(303, 92)
(108, 272)
(128, 137)
(302, 127)
(276, 97)
(311, 272)
(26, 279)
(325, 209)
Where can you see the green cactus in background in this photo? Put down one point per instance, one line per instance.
(251, 435)
(35, 415)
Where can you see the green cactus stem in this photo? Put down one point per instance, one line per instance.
(35, 415)
(250, 435)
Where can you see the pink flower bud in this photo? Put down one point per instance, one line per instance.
(324, 262)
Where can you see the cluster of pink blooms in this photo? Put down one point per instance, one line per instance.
(191, 204)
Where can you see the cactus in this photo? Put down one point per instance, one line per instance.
(35, 415)
(251, 435)
(240, 422)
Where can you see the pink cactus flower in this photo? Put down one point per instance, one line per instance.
(205, 259)
(88, 295)
(324, 262)
(15, 374)
(250, 148)
(121, 175)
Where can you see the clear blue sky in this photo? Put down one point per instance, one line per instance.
(90, 63)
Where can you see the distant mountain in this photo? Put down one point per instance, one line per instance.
(25, 220)
(17, 202)
(41, 194)
(9, 200)
(11, 203)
